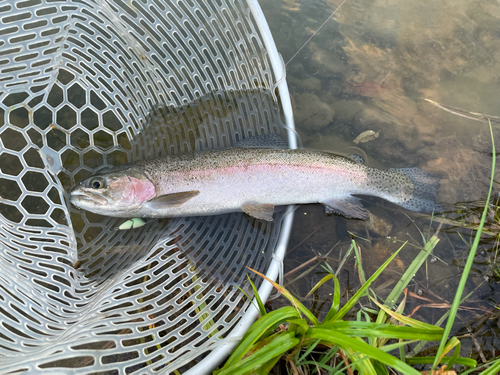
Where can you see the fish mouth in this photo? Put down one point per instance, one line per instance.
(82, 199)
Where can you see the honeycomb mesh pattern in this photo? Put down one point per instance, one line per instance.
(86, 85)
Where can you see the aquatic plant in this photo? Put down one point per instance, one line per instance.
(295, 333)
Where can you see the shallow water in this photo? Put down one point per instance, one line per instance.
(370, 68)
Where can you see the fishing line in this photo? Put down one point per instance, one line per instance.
(275, 85)
(314, 34)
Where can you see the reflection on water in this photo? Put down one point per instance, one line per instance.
(369, 68)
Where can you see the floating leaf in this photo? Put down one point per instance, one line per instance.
(366, 136)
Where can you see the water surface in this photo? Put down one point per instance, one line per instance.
(370, 68)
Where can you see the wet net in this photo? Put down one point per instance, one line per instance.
(90, 84)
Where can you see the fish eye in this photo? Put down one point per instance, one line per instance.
(97, 183)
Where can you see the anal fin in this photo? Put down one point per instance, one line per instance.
(262, 211)
(348, 206)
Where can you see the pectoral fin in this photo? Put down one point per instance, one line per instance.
(259, 210)
(171, 200)
(348, 206)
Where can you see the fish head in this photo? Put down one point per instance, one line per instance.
(114, 193)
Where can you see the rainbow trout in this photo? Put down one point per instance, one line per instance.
(252, 180)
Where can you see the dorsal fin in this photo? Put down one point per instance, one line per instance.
(357, 158)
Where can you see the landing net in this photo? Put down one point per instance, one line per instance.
(90, 84)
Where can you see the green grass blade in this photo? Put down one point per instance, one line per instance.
(263, 342)
(262, 309)
(426, 360)
(453, 343)
(336, 300)
(360, 346)
(268, 366)
(344, 259)
(483, 366)
(334, 371)
(295, 302)
(319, 283)
(283, 342)
(401, 349)
(411, 271)
(398, 345)
(308, 351)
(360, 361)
(470, 260)
(321, 365)
(259, 328)
(358, 261)
(406, 320)
(493, 370)
(329, 354)
(299, 326)
(361, 291)
(368, 329)
(380, 368)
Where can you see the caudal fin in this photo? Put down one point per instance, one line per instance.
(426, 187)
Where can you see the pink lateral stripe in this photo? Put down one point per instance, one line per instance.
(273, 167)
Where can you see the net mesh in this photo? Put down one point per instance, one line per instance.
(90, 84)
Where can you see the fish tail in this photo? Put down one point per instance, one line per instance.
(425, 190)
